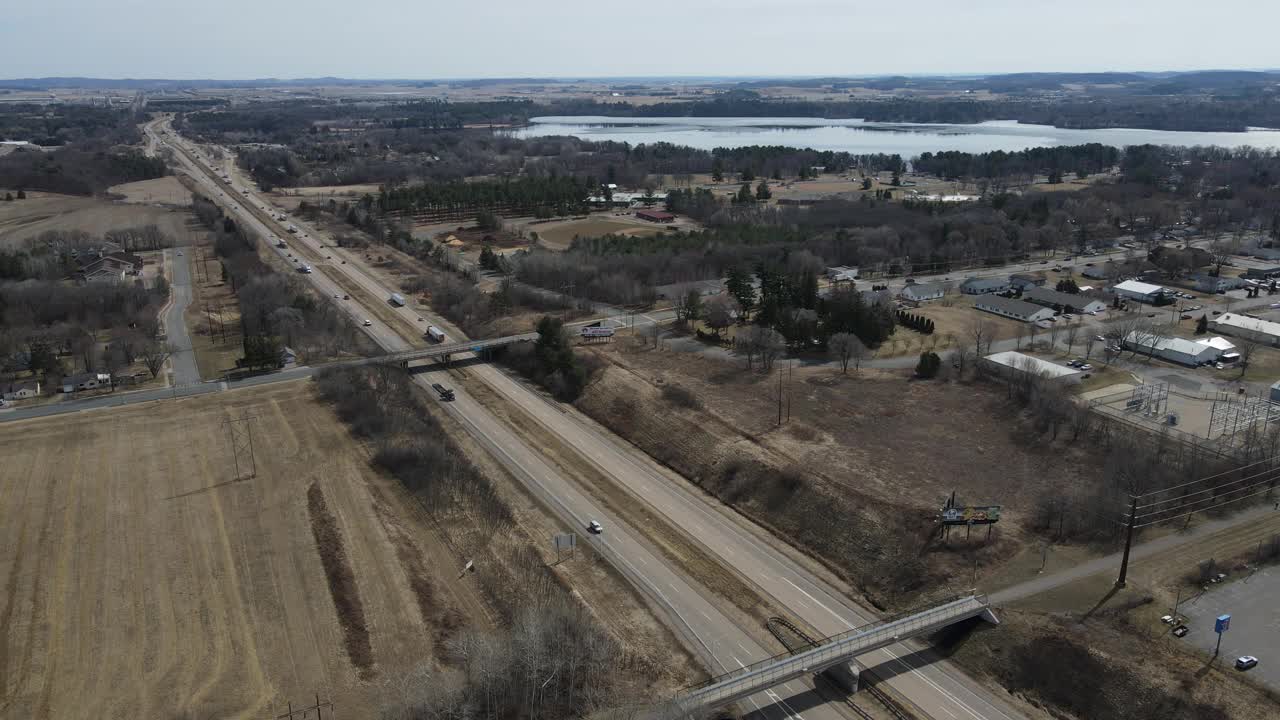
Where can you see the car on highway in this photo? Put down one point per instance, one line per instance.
(346, 297)
(366, 322)
(595, 528)
(179, 253)
(1244, 662)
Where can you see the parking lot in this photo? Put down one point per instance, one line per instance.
(1255, 622)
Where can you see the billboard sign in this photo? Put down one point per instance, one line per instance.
(597, 331)
(1222, 624)
(971, 515)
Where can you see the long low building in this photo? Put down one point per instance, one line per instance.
(1249, 328)
(1016, 309)
(1066, 302)
(1173, 349)
(1013, 363)
(1140, 291)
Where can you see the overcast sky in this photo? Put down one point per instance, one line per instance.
(239, 39)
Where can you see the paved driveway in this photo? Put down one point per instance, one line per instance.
(183, 359)
(1255, 622)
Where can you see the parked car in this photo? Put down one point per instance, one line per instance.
(1181, 631)
(1244, 662)
(1086, 367)
(1100, 338)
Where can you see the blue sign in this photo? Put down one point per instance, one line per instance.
(1222, 624)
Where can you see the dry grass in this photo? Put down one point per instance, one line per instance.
(874, 449)
(213, 317)
(559, 235)
(342, 581)
(167, 190)
(22, 221)
(140, 580)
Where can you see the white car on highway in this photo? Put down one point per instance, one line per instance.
(594, 527)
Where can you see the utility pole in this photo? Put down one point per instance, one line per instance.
(240, 431)
(302, 712)
(1128, 541)
(779, 397)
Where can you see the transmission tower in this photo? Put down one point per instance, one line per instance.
(240, 432)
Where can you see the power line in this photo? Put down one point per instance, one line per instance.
(1214, 489)
(1193, 512)
(1210, 477)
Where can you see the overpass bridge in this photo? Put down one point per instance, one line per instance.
(444, 350)
(830, 653)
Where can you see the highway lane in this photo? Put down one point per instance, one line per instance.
(939, 691)
(714, 636)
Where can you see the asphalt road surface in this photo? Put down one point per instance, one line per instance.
(1255, 622)
(183, 359)
(939, 690)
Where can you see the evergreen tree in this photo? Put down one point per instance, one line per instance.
(738, 283)
(22, 194)
(717, 170)
(762, 191)
(928, 366)
(1202, 325)
(744, 194)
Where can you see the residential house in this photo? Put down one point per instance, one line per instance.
(22, 390)
(922, 292)
(85, 381)
(1205, 282)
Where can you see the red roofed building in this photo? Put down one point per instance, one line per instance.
(655, 216)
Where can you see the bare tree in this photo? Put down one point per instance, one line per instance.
(759, 343)
(719, 312)
(1072, 334)
(1245, 347)
(154, 354)
(846, 347)
(980, 331)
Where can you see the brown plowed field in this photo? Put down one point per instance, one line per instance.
(139, 579)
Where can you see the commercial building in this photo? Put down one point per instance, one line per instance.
(1013, 364)
(1016, 309)
(1225, 349)
(1066, 302)
(1249, 328)
(1173, 349)
(1262, 273)
(922, 292)
(1140, 291)
(984, 286)
(658, 216)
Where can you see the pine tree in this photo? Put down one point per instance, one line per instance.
(1202, 325)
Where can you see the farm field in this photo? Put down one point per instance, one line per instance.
(559, 235)
(141, 579)
(22, 221)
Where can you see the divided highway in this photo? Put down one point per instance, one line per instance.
(938, 690)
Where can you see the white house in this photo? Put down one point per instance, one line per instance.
(1173, 349)
(1016, 309)
(23, 390)
(1140, 291)
(1066, 302)
(919, 293)
(1250, 328)
(1011, 363)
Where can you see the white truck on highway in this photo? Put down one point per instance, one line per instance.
(434, 334)
(396, 299)
(305, 269)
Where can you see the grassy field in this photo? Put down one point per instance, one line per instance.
(141, 579)
(558, 235)
(953, 316)
(167, 190)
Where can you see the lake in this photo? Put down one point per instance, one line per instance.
(861, 137)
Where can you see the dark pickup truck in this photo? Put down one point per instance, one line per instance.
(445, 393)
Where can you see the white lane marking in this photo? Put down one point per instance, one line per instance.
(819, 604)
(787, 709)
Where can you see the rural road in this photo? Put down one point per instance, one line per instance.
(118, 399)
(183, 359)
(1112, 562)
(939, 690)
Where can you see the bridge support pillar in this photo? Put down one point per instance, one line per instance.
(846, 676)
